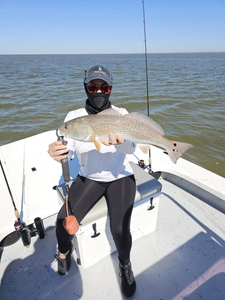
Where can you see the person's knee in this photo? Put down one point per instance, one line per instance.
(120, 232)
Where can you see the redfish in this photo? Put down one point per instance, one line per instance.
(134, 127)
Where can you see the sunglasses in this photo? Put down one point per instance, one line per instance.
(93, 88)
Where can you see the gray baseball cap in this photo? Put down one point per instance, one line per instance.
(98, 72)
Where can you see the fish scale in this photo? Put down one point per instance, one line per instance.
(134, 127)
(133, 131)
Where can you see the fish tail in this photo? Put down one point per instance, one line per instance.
(177, 149)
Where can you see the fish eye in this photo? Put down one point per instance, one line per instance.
(65, 126)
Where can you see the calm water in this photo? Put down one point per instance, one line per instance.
(186, 92)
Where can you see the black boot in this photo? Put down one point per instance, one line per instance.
(64, 264)
(128, 284)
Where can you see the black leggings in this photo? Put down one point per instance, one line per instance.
(85, 193)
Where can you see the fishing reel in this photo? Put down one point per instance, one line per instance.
(27, 232)
(142, 165)
(21, 230)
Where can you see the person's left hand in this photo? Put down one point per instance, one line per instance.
(112, 141)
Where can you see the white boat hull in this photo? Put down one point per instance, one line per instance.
(182, 259)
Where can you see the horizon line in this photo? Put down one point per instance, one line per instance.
(185, 52)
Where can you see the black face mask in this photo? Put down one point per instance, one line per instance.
(96, 102)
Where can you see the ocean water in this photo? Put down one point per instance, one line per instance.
(186, 94)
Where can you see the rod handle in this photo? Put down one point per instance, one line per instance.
(17, 214)
(64, 163)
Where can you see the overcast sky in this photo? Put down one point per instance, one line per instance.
(115, 26)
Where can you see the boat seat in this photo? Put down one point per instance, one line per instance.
(146, 187)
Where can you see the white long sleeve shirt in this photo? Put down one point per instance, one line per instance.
(109, 164)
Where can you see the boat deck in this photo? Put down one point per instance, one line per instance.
(183, 259)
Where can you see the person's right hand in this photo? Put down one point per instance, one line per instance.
(57, 151)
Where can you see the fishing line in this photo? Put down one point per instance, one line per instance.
(146, 57)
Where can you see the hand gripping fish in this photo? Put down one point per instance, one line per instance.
(134, 127)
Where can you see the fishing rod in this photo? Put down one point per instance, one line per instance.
(70, 222)
(146, 57)
(10, 193)
(21, 229)
(146, 72)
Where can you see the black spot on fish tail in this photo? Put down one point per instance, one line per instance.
(174, 149)
(177, 150)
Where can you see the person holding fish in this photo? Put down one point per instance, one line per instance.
(104, 171)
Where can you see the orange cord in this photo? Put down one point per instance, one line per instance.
(67, 196)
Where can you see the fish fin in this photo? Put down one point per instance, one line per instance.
(177, 149)
(143, 118)
(144, 148)
(97, 143)
(109, 111)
